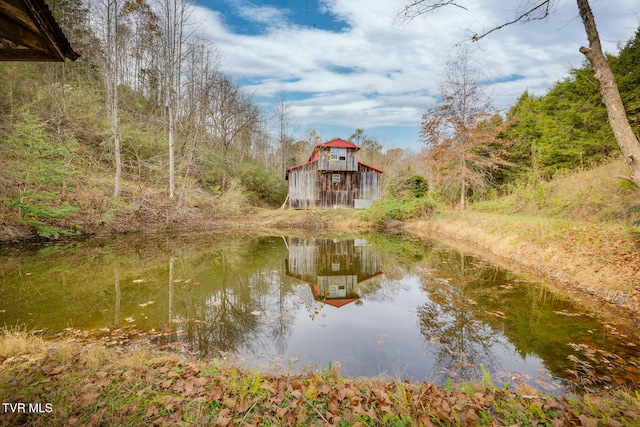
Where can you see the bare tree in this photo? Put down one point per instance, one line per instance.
(538, 10)
(174, 15)
(233, 116)
(109, 31)
(285, 140)
(141, 26)
(460, 133)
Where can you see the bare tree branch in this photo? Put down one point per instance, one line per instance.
(420, 7)
(537, 13)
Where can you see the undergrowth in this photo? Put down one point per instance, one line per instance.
(408, 208)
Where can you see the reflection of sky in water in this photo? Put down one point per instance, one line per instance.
(381, 337)
(407, 309)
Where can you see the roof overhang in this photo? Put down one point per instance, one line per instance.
(28, 32)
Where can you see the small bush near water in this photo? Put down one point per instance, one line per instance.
(400, 209)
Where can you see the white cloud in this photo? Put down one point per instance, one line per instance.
(394, 70)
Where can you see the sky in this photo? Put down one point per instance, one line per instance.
(341, 65)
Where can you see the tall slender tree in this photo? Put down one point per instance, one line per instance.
(174, 16)
(461, 131)
(108, 13)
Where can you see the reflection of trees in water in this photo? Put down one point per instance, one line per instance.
(449, 322)
(246, 306)
(224, 321)
(381, 289)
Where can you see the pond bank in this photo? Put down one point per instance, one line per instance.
(65, 383)
(601, 261)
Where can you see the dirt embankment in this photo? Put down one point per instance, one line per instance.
(599, 263)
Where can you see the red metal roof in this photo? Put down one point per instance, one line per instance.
(334, 143)
(338, 143)
(371, 167)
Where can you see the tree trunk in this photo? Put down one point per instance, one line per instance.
(618, 121)
(172, 156)
(463, 188)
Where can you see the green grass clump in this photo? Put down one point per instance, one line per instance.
(400, 209)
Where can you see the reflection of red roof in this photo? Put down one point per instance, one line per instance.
(338, 302)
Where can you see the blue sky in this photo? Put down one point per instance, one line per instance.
(347, 64)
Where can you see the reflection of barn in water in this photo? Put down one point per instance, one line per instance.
(334, 269)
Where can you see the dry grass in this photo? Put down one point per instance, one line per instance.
(17, 341)
(596, 195)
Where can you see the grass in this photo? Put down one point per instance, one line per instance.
(93, 385)
(404, 209)
(596, 195)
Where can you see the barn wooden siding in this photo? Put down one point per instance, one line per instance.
(326, 163)
(309, 187)
(369, 183)
(337, 194)
(303, 187)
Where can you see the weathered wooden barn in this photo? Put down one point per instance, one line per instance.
(333, 177)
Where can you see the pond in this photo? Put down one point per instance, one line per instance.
(374, 305)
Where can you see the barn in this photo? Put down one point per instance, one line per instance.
(333, 177)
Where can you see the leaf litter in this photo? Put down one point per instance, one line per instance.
(94, 385)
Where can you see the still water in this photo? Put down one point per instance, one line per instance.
(373, 305)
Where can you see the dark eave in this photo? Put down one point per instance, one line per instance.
(28, 32)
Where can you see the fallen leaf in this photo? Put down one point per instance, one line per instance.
(88, 399)
(256, 312)
(588, 422)
(144, 304)
(201, 381)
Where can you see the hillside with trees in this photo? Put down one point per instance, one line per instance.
(474, 154)
(147, 131)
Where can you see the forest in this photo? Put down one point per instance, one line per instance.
(146, 128)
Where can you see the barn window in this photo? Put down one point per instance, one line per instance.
(335, 177)
(338, 154)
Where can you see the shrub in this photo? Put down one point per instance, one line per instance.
(408, 184)
(43, 168)
(264, 187)
(400, 209)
